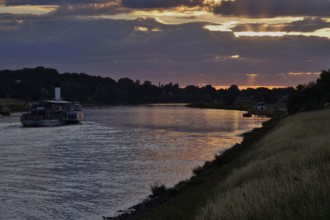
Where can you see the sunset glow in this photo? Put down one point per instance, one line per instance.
(28, 9)
(235, 56)
(143, 29)
(251, 79)
(227, 26)
(241, 87)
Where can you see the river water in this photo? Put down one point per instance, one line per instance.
(110, 161)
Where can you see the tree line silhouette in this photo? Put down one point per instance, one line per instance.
(32, 84)
(311, 96)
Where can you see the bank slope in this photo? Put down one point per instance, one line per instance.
(285, 175)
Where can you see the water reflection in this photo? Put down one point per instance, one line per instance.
(109, 162)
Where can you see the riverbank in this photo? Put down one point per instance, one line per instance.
(279, 171)
(218, 105)
(241, 105)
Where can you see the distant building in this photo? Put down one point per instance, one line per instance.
(260, 106)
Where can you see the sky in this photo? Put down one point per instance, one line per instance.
(190, 42)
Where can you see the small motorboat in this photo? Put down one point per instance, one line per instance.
(247, 114)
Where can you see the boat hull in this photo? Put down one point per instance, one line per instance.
(42, 123)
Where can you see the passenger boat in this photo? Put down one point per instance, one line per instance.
(49, 113)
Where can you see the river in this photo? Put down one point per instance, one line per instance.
(110, 161)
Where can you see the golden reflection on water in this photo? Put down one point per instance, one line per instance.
(188, 135)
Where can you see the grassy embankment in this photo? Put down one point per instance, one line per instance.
(280, 171)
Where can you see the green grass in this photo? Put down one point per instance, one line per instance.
(280, 171)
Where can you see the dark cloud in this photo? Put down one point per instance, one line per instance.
(52, 2)
(185, 53)
(7, 23)
(160, 3)
(272, 8)
(305, 25)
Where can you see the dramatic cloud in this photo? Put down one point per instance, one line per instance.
(304, 25)
(165, 40)
(160, 3)
(67, 7)
(273, 8)
(307, 25)
(186, 53)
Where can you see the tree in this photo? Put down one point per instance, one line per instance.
(231, 95)
(2, 93)
(75, 91)
(100, 94)
(311, 96)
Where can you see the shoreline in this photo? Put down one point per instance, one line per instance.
(140, 104)
(161, 194)
(218, 106)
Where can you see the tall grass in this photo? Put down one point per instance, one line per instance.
(285, 175)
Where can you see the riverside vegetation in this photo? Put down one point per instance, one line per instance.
(33, 84)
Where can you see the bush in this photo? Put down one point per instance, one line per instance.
(158, 190)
